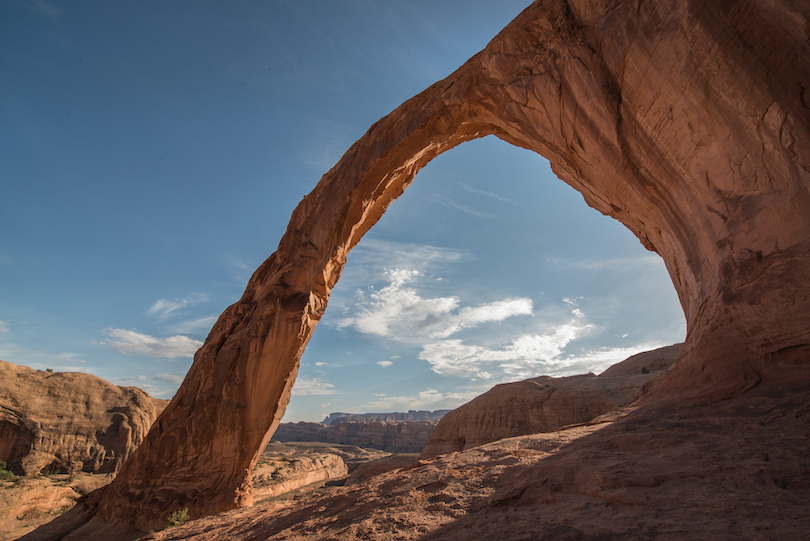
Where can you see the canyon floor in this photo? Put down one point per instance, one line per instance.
(735, 469)
(283, 472)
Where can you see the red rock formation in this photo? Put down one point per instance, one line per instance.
(390, 436)
(68, 421)
(546, 404)
(686, 120)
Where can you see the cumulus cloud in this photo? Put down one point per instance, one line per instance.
(385, 364)
(305, 386)
(495, 311)
(523, 357)
(131, 342)
(400, 312)
(162, 309)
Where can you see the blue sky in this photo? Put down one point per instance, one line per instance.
(151, 154)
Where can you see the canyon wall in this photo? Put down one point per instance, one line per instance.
(686, 120)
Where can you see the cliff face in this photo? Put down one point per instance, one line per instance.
(64, 422)
(389, 436)
(686, 120)
(546, 404)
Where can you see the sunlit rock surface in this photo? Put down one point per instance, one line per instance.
(68, 421)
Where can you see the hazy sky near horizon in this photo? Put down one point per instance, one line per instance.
(151, 154)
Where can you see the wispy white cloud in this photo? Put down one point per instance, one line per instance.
(193, 326)
(372, 256)
(168, 378)
(617, 263)
(164, 308)
(305, 386)
(463, 208)
(131, 342)
(384, 364)
(3, 326)
(483, 192)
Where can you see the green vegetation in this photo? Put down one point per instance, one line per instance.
(178, 518)
(5, 475)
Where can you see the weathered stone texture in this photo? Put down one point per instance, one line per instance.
(68, 421)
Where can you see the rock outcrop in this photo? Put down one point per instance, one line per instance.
(546, 404)
(389, 436)
(278, 474)
(68, 421)
(733, 470)
(686, 120)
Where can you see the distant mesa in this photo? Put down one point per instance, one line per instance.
(411, 415)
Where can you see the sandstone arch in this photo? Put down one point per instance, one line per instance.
(688, 121)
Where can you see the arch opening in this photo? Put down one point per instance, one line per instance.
(488, 269)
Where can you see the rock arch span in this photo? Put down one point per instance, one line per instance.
(687, 121)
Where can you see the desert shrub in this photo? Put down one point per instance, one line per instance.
(5, 475)
(644, 370)
(178, 518)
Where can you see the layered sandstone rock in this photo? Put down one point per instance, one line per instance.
(278, 474)
(546, 404)
(389, 436)
(67, 421)
(686, 120)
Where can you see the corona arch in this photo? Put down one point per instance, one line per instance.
(670, 116)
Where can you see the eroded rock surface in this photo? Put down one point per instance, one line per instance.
(68, 421)
(278, 474)
(686, 120)
(546, 404)
(389, 436)
(736, 469)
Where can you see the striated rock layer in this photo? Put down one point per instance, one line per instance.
(546, 404)
(686, 120)
(390, 436)
(68, 421)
